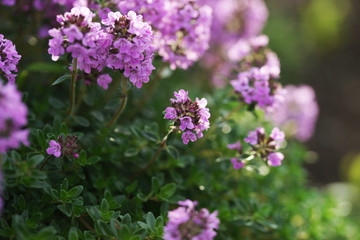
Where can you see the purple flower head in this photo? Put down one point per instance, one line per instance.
(235, 19)
(67, 146)
(187, 223)
(237, 164)
(266, 146)
(9, 58)
(103, 80)
(12, 118)
(54, 149)
(183, 31)
(259, 68)
(190, 117)
(131, 48)
(296, 112)
(79, 36)
(275, 159)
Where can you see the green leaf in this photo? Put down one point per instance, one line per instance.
(73, 235)
(47, 233)
(66, 209)
(155, 184)
(104, 207)
(82, 121)
(167, 191)
(41, 139)
(75, 191)
(35, 160)
(131, 152)
(98, 116)
(56, 103)
(45, 67)
(150, 220)
(149, 135)
(62, 79)
(64, 128)
(173, 152)
(65, 184)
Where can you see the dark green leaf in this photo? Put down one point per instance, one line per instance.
(62, 79)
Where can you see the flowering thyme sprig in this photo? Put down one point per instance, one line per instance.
(187, 223)
(191, 117)
(9, 58)
(266, 147)
(12, 118)
(259, 69)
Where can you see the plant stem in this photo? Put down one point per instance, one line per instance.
(226, 118)
(44, 163)
(153, 159)
(72, 88)
(123, 103)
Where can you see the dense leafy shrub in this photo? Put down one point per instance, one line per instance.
(85, 173)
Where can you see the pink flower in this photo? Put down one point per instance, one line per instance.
(275, 159)
(170, 113)
(236, 146)
(188, 135)
(103, 80)
(236, 163)
(54, 149)
(185, 122)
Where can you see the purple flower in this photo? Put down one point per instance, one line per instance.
(252, 138)
(185, 122)
(54, 149)
(237, 164)
(12, 118)
(278, 136)
(275, 159)
(9, 58)
(191, 117)
(237, 146)
(131, 48)
(188, 135)
(258, 68)
(181, 96)
(170, 113)
(103, 80)
(296, 112)
(183, 30)
(187, 223)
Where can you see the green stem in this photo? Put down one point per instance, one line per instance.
(123, 103)
(44, 163)
(72, 88)
(153, 159)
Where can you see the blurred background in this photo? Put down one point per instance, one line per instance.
(318, 44)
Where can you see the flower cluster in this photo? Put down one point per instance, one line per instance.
(12, 118)
(9, 58)
(259, 69)
(124, 44)
(187, 223)
(79, 36)
(183, 34)
(190, 117)
(235, 19)
(130, 48)
(298, 112)
(67, 147)
(266, 147)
